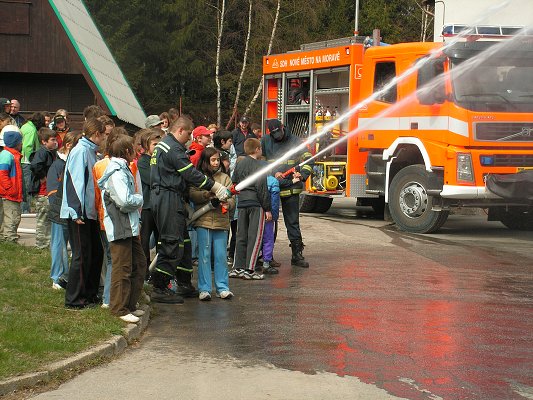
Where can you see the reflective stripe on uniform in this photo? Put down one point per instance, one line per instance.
(185, 168)
(306, 155)
(290, 192)
(186, 240)
(308, 168)
(163, 146)
(184, 269)
(203, 183)
(163, 272)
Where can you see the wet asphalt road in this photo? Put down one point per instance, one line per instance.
(441, 316)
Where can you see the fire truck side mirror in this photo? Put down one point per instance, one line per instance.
(431, 88)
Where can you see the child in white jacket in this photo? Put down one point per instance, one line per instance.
(121, 221)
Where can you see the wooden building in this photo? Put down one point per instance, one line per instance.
(55, 57)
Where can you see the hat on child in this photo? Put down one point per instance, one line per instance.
(12, 138)
(4, 101)
(201, 131)
(5, 129)
(152, 121)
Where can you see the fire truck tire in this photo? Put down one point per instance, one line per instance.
(307, 203)
(518, 218)
(322, 204)
(409, 204)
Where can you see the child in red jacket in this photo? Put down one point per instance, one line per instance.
(11, 191)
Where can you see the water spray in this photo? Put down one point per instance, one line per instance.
(458, 71)
(419, 64)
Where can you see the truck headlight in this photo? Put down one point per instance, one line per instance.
(465, 171)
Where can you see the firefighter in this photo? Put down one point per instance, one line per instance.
(275, 145)
(171, 172)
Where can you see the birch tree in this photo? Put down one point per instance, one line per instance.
(272, 35)
(244, 60)
(220, 20)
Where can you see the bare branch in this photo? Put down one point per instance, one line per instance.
(424, 10)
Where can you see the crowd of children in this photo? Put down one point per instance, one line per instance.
(114, 198)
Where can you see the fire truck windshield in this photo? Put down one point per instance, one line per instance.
(498, 85)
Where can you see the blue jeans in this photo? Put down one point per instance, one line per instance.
(210, 240)
(107, 266)
(58, 251)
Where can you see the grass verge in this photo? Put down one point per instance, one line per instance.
(35, 327)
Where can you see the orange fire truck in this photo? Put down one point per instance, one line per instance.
(423, 157)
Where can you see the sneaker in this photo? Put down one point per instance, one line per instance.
(275, 264)
(138, 313)
(104, 305)
(166, 296)
(62, 282)
(270, 270)
(204, 296)
(56, 286)
(225, 294)
(236, 273)
(252, 275)
(132, 319)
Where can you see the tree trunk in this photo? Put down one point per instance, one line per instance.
(245, 58)
(273, 34)
(217, 67)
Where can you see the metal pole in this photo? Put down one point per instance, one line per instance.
(356, 27)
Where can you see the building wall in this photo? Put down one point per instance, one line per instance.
(47, 92)
(34, 41)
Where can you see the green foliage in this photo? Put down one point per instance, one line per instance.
(168, 50)
(35, 327)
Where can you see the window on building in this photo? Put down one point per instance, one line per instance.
(15, 17)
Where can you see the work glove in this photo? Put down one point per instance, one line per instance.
(221, 191)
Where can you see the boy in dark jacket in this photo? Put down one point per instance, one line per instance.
(149, 139)
(40, 164)
(254, 207)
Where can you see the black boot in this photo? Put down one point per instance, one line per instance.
(298, 259)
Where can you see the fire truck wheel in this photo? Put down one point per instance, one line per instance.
(409, 204)
(307, 203)
(517, 218)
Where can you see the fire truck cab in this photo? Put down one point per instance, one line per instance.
(414, 154)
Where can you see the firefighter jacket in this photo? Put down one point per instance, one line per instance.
(11, 175)
(120, 200)
(272, 150)
(171, 169)
(214, 219)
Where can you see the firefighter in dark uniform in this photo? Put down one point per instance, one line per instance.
(275, 145)
(171, 172)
